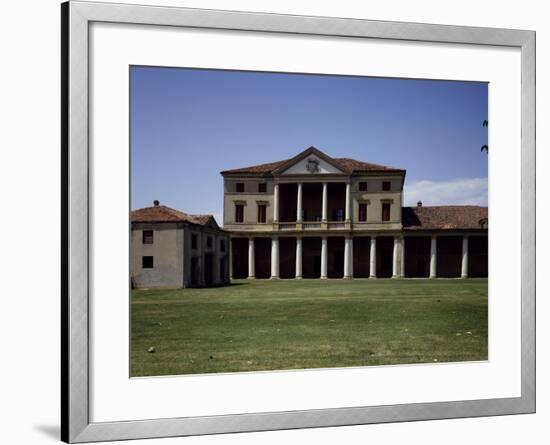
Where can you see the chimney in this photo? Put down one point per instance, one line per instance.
(156, 202)
(419, 204)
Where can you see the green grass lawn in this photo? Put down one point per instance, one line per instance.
(289, 324)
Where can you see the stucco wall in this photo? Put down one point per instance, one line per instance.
(374, 197)
(250, 198)
(167, 251)
(172, 252)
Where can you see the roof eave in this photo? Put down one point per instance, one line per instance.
(247, 174)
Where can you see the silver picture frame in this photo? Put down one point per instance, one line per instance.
(75, 396)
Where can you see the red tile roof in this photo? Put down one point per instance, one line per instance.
(260, 168)
(353, 166)
(163, 214)
(445, 218)
(347, 165)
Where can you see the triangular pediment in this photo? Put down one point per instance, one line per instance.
(310, 162)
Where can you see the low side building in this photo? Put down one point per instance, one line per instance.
(169, 248)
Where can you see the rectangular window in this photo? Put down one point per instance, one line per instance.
(363, 212)
(209, 242)
(147, 262)
(386, 186)
(239, 187)
(386, 207)
(261, 213)
(262, 187)
(362, 186)
(194, 241)
(147, 237)
(239, 213)
(222, 245)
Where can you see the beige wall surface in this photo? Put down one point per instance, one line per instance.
(172, 253)
(167, 252)
(250, 198)
(374, 197)
(250, 185)
(374, 183)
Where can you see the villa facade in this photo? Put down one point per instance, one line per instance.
(314, 216)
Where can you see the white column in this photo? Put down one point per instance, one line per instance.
(433, 257)
(372, 268)
(464, 273)
(299, 204)
(298, 257)
(325, 201)
(276, 202)
(324, 257)
(402, 271)
(395, 251)
(274, 258)
(348, 258)
(351, 258)
(348, 201)
(251, 259)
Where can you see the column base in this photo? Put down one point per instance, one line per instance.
(298, 278)
(463, 277)
(251, 278)
(372, 277)
(433, 277)
(274, 278)
(394, 277)
(349, 277)
(323, 278)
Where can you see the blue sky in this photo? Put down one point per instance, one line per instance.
(187, 125)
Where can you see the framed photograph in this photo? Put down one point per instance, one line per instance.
(276, 222)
